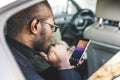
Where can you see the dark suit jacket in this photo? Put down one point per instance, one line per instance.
(24, 56)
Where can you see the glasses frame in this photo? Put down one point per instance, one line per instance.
(53, 27)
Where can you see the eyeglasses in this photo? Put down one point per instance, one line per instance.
(53, 27)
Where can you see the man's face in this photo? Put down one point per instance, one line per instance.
(45, 36)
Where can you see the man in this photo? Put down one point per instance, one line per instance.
(28, 34)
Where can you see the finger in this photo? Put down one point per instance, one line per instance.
(70, 50)
(80, 62)
(73, 66)
(43, 55)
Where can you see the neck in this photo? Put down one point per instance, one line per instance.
(23, 38)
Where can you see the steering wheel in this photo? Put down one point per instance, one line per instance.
(73, 31)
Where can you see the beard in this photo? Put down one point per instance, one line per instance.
(41, 48)
(41, 44)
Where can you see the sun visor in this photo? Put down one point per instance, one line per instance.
(108, 9)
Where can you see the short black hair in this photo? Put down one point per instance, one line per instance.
(16, 23)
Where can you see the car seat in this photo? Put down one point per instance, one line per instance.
(104, 34)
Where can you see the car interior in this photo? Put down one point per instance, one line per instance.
(102, 29)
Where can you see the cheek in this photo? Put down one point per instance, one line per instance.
(46, 38)
(49, 33)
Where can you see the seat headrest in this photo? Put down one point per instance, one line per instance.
(108, 9)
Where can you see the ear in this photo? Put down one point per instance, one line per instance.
(35, 28)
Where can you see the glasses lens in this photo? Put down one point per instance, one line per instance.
(54, 28)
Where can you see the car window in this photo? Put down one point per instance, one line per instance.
(73, 16)
(63, 10)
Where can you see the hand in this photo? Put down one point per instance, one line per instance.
(70, 51)
(58, 56)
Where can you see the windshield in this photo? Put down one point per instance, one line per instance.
(89, 4)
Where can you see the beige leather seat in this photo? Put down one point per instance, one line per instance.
(105, 38)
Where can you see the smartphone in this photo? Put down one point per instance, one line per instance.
(78, 52)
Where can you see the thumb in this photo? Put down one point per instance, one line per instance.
(43, 55)
(71, 48)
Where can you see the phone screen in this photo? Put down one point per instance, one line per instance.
(78, 52)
